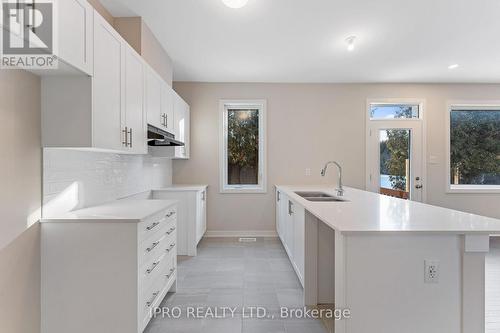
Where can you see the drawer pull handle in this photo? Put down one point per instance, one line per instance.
(152, 226)
(172, 270)
(171, 247)
(170, 230)
(155, 244)
(155, 264)
(170, 214)
(153, 298)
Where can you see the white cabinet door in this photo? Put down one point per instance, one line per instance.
(167, 107)
(134, 103)
(153, 98)
(289, 229)
(298, 239)
(182, 126)
(75, 33)
(201, 219)
(107, 88)
(279, 215)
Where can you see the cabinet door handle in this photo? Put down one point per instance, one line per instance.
(152, 226)
(153, 298)
(155, 244)
(203, 196)
(170, 214)
(172, 270)
(171, 247)
(125, 132)
(290, 206)
(155, 264)
(279, 196)
(170, 230)
(130, 132)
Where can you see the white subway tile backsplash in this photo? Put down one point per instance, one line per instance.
(92, 178)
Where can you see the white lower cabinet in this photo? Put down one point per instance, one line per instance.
(105, 276)
(290, 225)
(192, 215)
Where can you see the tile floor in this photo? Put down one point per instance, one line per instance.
(227, 273)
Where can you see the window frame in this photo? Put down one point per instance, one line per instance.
(469, 106)
(261, 106)
(396, 101)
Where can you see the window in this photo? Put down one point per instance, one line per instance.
(473, 148)
(242, 147)
(384, 111)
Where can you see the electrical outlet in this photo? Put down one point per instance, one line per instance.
(431, 271)
(308, 172)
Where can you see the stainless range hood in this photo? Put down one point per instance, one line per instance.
(160, 138)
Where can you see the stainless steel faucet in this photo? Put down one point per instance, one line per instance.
(340, 189)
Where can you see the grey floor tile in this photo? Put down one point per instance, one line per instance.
(292, 298)
(263, 326)
(229, 273)
(302, 326)
(227, 325)
(225, 297)
(175, 326)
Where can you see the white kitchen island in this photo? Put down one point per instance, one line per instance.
(369, 254)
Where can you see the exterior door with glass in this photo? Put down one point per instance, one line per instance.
(395, 151)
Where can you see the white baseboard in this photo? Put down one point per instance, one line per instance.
(241, 233)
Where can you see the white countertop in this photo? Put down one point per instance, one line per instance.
(371, 212)
(127, 210)
(176, 188)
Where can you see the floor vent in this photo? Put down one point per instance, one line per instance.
(247, 239)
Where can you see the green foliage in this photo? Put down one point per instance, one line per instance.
(398, 147)
(475, 147)
(243, 141)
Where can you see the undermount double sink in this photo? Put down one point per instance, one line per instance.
(318, 196)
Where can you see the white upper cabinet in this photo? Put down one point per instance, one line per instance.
(108, 81)
(167, 107)
(153, 98)
(104, 111)
(134, 124)
(75, 33)
(182, 126)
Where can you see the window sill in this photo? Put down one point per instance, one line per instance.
(473, 189)
(243, 190)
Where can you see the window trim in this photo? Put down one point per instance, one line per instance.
(261, 105)
(470, 106)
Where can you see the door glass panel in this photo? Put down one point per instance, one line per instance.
(395, 162)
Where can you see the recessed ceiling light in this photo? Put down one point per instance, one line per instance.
(453, 66)
(235, 3)
(350, 43)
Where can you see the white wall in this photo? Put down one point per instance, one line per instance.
(20, 201)
(309, 124)
(75, 179)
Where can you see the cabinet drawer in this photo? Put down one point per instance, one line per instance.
(153, 225)
(153, 246)
(162, 263)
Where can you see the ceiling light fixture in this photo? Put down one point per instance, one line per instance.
(453, 66)
(235, 4)
(350, 43)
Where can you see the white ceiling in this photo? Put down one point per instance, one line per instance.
(304, 40)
